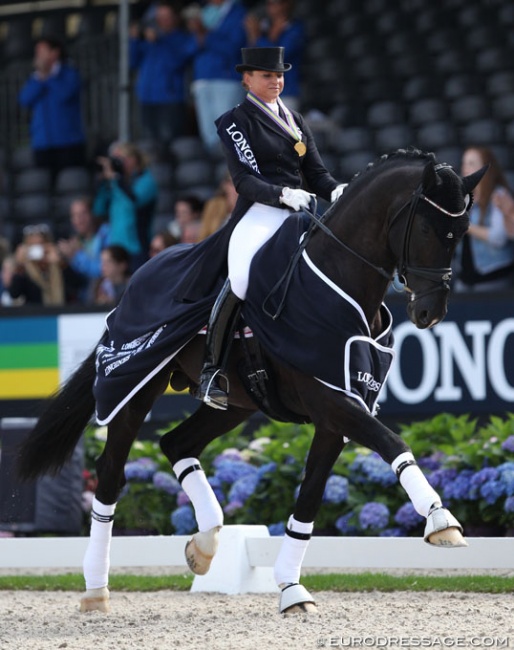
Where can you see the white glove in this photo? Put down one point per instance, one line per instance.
(338, 192)
(296, 199)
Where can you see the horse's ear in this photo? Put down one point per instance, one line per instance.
(429, 178)
(471, 181)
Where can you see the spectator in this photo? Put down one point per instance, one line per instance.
(486, 254)
(40, 277)
(162, 56)
(127, 198)
(53, 95)
(280, 28)
(82, 250)
(504, 200)
(220, 34)
(218, 209)
(8, 271)
(186, 223)
(115, 275)
(160, 241)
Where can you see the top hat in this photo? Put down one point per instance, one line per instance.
(263, 58)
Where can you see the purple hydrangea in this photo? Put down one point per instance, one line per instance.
(182, 499)
(229, 471)
(372, 469)
(393, 532)
(216, 486)
(442, 477)
(344, 526)
(374, 515)
(183, 520)
(232, 507)
(142, 469)
(407, 517)
(506, 472)
(336, 489)
(166, 482)
(491, 491)
(508, 445)
(268, 468)
(508, 506)
(430, 463)
(277, 530)
(461, 486)
(243, 488)
(229, 454)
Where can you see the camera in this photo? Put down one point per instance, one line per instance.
(116, 164)
(36, 252)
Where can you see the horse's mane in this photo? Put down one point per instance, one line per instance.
(400, 155)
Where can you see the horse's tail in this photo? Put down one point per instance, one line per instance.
(52, 441)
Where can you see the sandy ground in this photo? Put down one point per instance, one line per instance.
(165, 619)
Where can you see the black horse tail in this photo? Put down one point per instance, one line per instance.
(52, 441)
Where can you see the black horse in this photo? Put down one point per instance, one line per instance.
(405, 212)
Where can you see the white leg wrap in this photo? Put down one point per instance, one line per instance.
(414, 482)
(97, 558)
(292, 551)
(208, 511)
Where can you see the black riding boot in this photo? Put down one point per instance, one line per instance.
(220, 331)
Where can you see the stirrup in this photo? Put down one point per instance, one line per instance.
(212, 394)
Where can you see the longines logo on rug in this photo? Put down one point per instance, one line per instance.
(368, 379)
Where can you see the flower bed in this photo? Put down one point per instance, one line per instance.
(257, 480)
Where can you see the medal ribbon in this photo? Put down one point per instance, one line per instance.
(289, 126)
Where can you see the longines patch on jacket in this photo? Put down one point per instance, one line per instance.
(320, 330)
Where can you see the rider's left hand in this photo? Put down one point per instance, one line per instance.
(338, 192)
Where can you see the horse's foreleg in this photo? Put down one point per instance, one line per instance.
(182, 446)
(323, 453)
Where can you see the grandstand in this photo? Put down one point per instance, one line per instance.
(378, 76)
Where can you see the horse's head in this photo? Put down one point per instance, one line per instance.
(424, 234)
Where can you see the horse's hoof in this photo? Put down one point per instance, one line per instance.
(95, 600)
(295, 599)
(443, 530)
(201, 549)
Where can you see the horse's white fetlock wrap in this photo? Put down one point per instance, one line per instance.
(294, 594)
(95, 600)
(201, 549)
(438, 520)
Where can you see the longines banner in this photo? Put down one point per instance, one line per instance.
(464, 364)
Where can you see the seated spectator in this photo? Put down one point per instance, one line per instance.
(219, 30)
(504, 200)
(186, 221)
(217, 210)
(127, 198)
(486, 254)
(115, 276)
(280, 28)
(160, 241)
(53, 95)
(40, 277)
(82, 250)
(7, 274)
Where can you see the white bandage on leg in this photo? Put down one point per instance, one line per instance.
(292, 551)
(414, 482)
(208, 511)
(97, 558)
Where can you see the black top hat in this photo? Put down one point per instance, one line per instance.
(263, 58)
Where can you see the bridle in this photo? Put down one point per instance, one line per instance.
(441, 276)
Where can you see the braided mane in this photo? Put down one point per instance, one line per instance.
(400, 154)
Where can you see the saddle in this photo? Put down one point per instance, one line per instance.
(259, 381)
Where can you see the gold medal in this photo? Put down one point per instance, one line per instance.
(300, 148)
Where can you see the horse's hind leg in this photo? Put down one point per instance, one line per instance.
(182, 446)
(110, 465)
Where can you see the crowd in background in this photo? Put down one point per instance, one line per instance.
(183, 65)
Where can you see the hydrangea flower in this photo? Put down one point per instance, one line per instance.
(166, 482)
(182, 499)
(508, 506)
(461, 486)
(407, 516)
(215, 484)
(229, 471)
(392, 532)
(491, 491)
(442, 477)
(183, 520)
(227, 454)
(336, 489)
(142, 469)
(232, 507)
(244, 487)
(344, 526)
(278, 529)
(372, 468)
(508, 444)
(374, 515)
(506, 472)
(268, 468)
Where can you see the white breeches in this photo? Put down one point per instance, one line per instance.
(257, 226)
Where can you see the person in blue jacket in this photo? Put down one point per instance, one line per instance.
(280, 28)
(216, 87)
(52, 94)
(127, 198)
(161, 54)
